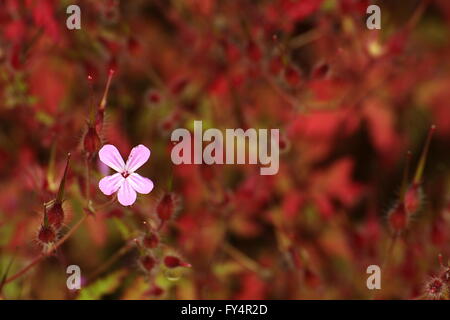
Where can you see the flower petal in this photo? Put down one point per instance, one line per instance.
(138, 156)
(110, 156)
(110, 184)
(140, 183)
(126, 194)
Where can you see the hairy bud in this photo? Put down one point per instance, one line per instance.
(435, 288)
(147, 262)
(173, 262)
(91, 141)
(166, 207)
(46, 234)
(150, 240)
(413, 199)
(398, 219)
(55, 215)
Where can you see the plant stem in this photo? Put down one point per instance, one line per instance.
(389, 250)
(124, 249)
(43, 255)
(106, 204)
(245, 261)
(88, 177)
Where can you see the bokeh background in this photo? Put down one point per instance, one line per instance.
(349, 102)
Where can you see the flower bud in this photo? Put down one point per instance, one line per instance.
(413, 199)
(91, 141)
(55, 215)
(435, 289)
(398, 219)
(150, 240)
(148, 262)
(173, 262)
(166, 207)
(46, 234)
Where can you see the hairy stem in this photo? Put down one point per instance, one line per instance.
(44, 255)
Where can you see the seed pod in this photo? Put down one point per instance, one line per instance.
(150, 240)
(173, 262)
(166, 207)
(46, 234)
(413, 199)
(91, 141)
(147, 262)
(435, 288)
(55, 215)
(398, 219)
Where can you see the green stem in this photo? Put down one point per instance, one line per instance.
(423, 157)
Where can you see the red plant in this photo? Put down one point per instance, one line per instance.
(349, 103)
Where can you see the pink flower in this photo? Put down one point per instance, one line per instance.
(125, 182)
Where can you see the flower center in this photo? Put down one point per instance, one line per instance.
(125, 174)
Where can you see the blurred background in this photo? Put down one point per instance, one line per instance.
(349, 102)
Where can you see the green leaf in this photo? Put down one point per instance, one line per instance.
(103, 286)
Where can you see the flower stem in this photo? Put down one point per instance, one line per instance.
(245, 260)
(389, 250)
(43, 255)
(88, 178)
(119, 253)
(423, 157)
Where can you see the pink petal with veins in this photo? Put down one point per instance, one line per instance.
(126, 194)
(140, 183)
(110, 156)
(138, 156)
(110, 184)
